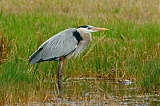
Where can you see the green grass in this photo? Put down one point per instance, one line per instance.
(130, 49)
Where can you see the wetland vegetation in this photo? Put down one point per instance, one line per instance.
(129, 50)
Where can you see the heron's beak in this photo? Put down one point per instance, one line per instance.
(98, 29)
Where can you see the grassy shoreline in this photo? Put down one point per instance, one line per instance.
(129, 50)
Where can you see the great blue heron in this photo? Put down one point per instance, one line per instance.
(69, 42)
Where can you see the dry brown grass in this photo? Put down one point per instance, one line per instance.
(135, 10)
(4, 44)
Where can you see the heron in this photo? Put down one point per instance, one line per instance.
(67, 43)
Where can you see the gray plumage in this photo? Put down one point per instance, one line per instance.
(61, 44)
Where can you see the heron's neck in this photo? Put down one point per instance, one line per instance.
(85, 36)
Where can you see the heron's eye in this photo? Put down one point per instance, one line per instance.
(89, 27)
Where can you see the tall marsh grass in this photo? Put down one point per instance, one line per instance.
(130, 49)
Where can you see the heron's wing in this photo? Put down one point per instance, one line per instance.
(57, 46)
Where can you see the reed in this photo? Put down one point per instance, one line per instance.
(130, 49)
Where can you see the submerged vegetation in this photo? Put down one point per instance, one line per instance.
(129, 50)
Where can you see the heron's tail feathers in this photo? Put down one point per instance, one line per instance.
(34, 58)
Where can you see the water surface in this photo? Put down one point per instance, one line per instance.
(97, 91)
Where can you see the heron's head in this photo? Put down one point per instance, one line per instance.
(89, 28)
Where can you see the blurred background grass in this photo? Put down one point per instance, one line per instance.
(129, 50)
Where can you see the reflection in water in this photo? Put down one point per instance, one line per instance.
(93, 91)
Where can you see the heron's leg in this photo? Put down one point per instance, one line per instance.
(59, 74)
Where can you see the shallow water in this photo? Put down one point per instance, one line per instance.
(99, 92)
(95, 92)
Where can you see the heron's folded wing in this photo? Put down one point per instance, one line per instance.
(57, 46)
